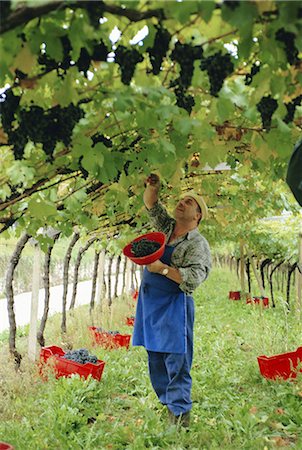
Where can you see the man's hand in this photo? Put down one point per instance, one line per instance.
(156, 267)
(152, 180)
(152, 185)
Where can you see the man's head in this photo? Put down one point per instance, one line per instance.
(191, 208)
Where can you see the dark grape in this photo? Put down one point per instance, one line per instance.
(8, 106)
(100, 51)
(184, 101)
(38, 125)
(288, 40)
(48, 63)
(218, 67)
(232, 4)
(112, 332)
(185, 55)
(85, 173)
(95, 10)
(254, 70)
(159, 49)
(127, 59)
(80, 356)
(144, 247)
(84, 60)
(291, 108)
(51, 64)
(17, 139)
(267, 106)
(101, 138)
(67, 48)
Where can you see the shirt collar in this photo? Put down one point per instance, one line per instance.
(189, 235)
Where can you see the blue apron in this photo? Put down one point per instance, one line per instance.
(161, 313)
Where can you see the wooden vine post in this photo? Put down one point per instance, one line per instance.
(10, 296)
(32, 340)
(299, 278)
(128, 276)
(100, 278)
(67, 258)
(242, 271)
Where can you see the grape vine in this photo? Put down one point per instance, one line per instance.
(288, 40)
(159, 49)
(254, 70)
(267, 106)
(185, 55)
(37, 125)
(218, 67)
(291, 108)
(127, 59)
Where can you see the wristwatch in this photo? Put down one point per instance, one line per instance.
(165, 271)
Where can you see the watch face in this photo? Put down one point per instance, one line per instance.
(165, 271)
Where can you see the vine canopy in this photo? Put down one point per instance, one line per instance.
(95, 95)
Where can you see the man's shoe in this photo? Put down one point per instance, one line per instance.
(183, 420)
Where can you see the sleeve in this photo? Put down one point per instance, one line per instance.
(160, 218)
(198, 267)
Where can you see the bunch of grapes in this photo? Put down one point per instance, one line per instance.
(83, 63)
(218, 67)
(288, 40)
(254, 70)
(98, 137)
(51, 64)
(144, 247)
(100, 51)
(38, 125)
(9, 105)
(159, 49)
(95, 10)
(182, 100)
(112, 332)
(185, 55)
(267, 106)
(127, 59)
(291, 107)
(232, 4)
(80, 356)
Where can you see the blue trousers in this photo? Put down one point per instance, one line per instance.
(170, 372)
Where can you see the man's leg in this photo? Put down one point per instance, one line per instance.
(158, 374)
(178, 366)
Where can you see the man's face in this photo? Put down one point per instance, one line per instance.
(187, 209)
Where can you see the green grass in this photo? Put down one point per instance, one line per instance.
(233, 406)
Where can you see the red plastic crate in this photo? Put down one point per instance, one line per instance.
(5, 446)
(130, 321)
(108, 340)
(135, 295)
(264, 301)
(281, 366)
(66, 368)
(234, 295)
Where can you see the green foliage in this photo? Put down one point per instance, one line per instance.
(155, 119)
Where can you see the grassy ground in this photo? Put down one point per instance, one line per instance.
(233, 406)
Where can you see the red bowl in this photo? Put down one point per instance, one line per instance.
(143, 260)
(5, 446)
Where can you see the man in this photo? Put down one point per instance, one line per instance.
(165, 309)
(294, 172)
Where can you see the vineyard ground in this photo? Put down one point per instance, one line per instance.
(233, 406)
